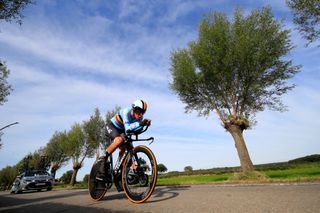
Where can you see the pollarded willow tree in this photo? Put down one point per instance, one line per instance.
(56, 151)
(83, 140)
(235, 68)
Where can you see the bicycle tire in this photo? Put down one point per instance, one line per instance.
(147, 187)
(97, 189)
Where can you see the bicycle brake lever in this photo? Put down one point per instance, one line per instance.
(152, 139)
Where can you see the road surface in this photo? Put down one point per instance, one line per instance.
(199, 198)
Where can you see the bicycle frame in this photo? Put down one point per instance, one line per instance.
(116, 170)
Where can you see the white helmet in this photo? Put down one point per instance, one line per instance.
(140, 104)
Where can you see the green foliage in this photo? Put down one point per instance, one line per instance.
(34, 161)
(161, 168)
(76, 141)
(306, 159)
(234, 68)
(84, 139)
(306, 15)
(5, 87)
(188, 169)
(7, 176)
(66, 177)
(94, 130)
(11, 9)
(56, 151)
(85, 180)
(78, 148)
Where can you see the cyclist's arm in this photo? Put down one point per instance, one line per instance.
(129, 125)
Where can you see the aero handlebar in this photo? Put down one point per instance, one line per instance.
(132, 133)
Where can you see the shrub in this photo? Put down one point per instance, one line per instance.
(188, 169)
(66, 177)
(306, 159)
(249, 176)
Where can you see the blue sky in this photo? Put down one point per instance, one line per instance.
(69, 57)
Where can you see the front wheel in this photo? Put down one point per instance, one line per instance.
(139, 174)
(97, 188)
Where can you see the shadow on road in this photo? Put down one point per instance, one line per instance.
(160, 194)
(51, 201)
(59, 207)
(118, 196)
(166, 193)
(12, 200)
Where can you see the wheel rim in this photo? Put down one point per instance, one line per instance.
(140, 188)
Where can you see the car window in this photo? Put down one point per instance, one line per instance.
(30, 173)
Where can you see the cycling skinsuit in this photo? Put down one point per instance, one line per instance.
(123, 122)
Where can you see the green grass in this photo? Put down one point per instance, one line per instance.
(193, 179)
(287, 175)
(290, 174)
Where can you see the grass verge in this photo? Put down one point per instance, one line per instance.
(272, 176)
(304, 174)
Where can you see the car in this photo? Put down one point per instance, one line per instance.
(32, 180)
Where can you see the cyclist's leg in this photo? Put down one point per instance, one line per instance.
(122, 149)
(112, 132)
(118, 140)
(117, 137)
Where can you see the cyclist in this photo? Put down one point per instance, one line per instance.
(127, 119)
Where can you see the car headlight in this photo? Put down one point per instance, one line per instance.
(26, 181)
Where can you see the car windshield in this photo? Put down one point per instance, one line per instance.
(35, 173)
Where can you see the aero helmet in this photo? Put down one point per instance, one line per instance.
(140, 104)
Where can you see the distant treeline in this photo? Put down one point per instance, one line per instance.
(311, 159)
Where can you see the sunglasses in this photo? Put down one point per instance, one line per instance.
(138, 112)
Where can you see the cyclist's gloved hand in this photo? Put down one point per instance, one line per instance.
(145, 122)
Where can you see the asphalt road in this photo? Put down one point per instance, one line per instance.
(199, 199)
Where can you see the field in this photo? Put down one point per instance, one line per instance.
(298, 170)
(288, 175)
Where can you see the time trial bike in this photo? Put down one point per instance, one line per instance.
(135, 172)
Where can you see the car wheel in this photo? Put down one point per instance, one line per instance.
(17, 191)
(49, 189)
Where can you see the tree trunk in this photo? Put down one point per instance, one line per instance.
(237, 134)
(54, 169)
(53, 174)
(74, 176)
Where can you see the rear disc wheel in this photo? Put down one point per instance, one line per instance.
(97, 188)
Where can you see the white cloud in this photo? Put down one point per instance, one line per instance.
(63, 50)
